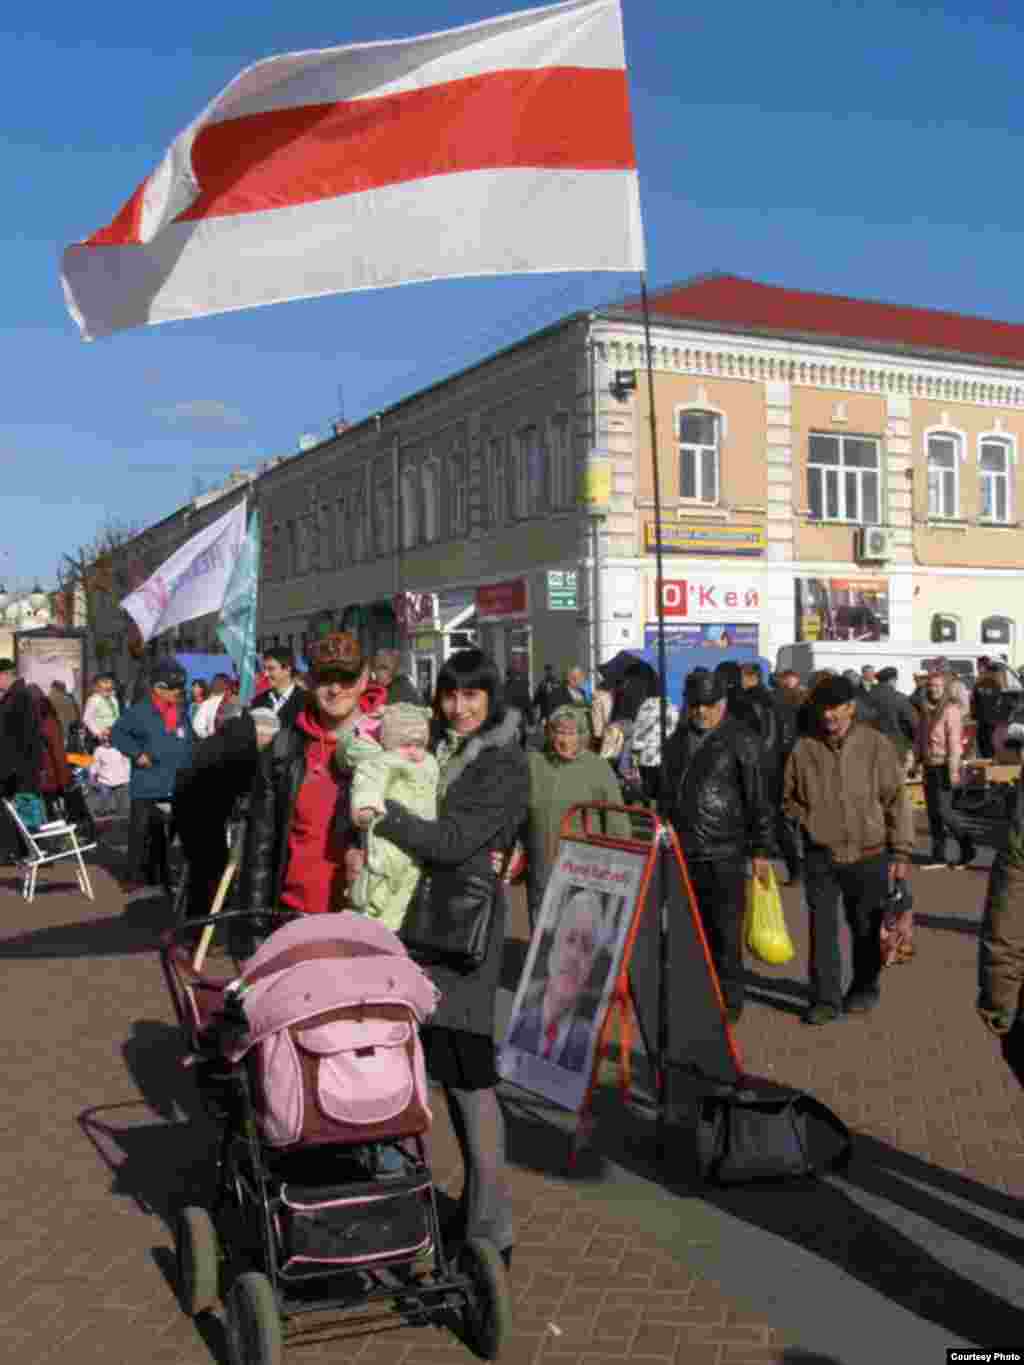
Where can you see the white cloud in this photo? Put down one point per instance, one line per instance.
(203, 411)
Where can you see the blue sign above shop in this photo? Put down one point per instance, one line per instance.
(686, 635)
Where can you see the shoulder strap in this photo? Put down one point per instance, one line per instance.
(807, 1104)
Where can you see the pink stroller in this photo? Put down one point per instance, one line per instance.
(311, 1062)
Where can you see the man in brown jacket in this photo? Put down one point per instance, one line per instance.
(844, 786)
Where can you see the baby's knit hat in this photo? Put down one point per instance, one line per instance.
(404, 723)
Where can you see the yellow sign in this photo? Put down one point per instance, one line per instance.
(424, 643)
(596, 482)
(705, 538)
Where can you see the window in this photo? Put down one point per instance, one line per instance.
(410, 509)
(842, 479)
(499, 483)
(563, 468)
(384, 517)
(341, 540)
(945, 628)
(459, 493)
(698, 456)
(518, 495)
(430, 500)
(292, 532)
(533, 469)
(997, 630)
(943, 476)
(358, 520)
(994, 481)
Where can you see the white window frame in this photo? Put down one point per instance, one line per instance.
(721, 433)
(1009, 444)
(959, 439)
(844, 514)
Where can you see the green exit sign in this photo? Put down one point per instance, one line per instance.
(562, 594)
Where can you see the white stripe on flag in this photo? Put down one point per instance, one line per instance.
(505, 147)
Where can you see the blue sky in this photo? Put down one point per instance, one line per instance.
(852, 146)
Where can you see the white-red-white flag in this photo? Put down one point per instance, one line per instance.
(501, 147)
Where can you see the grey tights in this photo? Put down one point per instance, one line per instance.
(479, 1128)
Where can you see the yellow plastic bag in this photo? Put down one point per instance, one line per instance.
(764, 924)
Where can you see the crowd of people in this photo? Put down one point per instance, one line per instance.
(358, 796)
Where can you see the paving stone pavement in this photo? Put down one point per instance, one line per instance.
(625, 1260)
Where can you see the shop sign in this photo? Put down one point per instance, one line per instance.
(719, 636)
(562, 593)
(704, 538)
(703, 599)
(841, 608)
(498, 600)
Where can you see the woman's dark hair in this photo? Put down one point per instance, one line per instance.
(201, 682)
(471, 668)
(638, 685)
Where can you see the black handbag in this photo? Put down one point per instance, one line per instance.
(746, 1135)
(449, 922)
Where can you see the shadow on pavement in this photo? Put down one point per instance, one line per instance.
(778, 993)
(161, 1166)
(818, 1216)
(954, 922)
(137, 930)
(153, 1053)
(794, 1356)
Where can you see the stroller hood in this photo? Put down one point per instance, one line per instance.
(324, 963)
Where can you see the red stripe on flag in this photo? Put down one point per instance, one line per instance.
(561, 118)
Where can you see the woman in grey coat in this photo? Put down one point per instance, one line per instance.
(482, 800)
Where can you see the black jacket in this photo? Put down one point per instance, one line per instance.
(483, 806)
(279, 775)
(756, 707)
(894, 715)
(289, 712)
(716, 797)
(221, 770)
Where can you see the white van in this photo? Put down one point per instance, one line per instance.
(907, 659)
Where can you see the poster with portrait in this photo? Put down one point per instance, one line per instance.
(573, 961)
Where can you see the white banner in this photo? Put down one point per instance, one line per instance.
(193, 581)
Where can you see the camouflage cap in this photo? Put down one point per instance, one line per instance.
(334, 657)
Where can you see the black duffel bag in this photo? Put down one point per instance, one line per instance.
(753, 1132)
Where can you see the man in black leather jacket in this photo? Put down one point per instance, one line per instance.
(774, 719)
(714, 794)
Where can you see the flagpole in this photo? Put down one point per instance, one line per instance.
(661, 1063)
(656, 472)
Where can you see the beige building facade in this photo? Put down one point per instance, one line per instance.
(829, 469)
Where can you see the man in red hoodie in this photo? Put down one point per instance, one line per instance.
(299, 830)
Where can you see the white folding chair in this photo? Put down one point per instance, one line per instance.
(37, 855)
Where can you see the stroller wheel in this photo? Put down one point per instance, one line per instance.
(197, 1256)
(253, 1322)
(487, 1314)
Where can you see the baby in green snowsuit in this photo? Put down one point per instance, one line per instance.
(399, 768)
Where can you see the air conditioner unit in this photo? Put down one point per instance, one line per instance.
(874, 542)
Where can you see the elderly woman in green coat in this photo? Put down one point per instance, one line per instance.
(565, 773)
